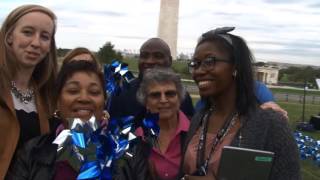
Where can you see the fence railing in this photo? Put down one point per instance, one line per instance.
(297, 98)
(283, 97)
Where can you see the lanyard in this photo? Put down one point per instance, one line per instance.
(202, 167)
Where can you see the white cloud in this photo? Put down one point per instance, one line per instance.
(279, 30)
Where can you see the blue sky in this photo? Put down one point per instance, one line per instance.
(276, 30)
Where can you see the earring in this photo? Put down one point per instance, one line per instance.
(106, 115)
(234, 74)
(56, 114)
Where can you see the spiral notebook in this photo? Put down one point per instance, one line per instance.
(244, 164)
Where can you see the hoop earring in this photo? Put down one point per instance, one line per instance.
(56, 114)
(106, 115)
(234, 74)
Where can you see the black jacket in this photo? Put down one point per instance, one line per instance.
(37, 159)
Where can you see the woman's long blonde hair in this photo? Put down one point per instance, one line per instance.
(44, 74)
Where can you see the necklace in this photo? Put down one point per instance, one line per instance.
(24, 97)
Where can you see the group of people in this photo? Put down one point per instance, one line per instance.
(36, 100)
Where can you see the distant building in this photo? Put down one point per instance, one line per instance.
(267, 74)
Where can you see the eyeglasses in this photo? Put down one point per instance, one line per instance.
(206, 64)
(168, 94)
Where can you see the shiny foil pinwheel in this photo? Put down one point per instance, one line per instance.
(309, 148)
(151, 128)
(117, 77)
(92, 149)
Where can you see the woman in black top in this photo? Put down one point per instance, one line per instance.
(28, 68)
(80, 94)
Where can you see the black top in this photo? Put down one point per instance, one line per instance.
(28, 120)
(29, 126)
(37, 159)
(126, 103)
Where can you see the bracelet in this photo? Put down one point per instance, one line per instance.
(184, 177)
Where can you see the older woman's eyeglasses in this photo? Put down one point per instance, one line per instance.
(157, 95)
(206, 64)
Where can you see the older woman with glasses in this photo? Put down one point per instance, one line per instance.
(222, 69)
(161, 92)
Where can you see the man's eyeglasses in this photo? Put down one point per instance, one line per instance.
(168, 94)
(206, 64)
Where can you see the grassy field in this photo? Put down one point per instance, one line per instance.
(295, 111)
(308, 169)
(295, 91)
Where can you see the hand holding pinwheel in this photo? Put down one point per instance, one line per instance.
(92, 149)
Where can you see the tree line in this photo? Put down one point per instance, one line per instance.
(300, 76)
(105, 54)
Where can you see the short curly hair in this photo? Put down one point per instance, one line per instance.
(161, 75)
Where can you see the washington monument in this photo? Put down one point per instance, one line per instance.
(168, 24)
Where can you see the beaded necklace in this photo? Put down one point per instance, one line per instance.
(24, 97)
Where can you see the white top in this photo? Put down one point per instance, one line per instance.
(29, 107)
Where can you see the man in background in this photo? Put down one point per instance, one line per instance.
(154, 52)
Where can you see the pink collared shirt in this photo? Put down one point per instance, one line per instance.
(190, 157)
(166, 165)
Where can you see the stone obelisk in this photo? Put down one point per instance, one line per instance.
(168, 24)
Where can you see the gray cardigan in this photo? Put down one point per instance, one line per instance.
(264, 130)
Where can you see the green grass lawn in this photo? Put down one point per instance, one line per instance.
(308, 169)
(295, 111)
(295, 91)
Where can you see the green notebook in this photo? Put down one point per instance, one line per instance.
(244, 164)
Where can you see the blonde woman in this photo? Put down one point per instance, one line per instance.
(28, 68)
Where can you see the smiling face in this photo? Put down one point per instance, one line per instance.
(218, 79)
(31, 38)
(153, 53)
(162, 98)
(81, 97)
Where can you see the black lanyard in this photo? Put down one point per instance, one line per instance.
(202, 165)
